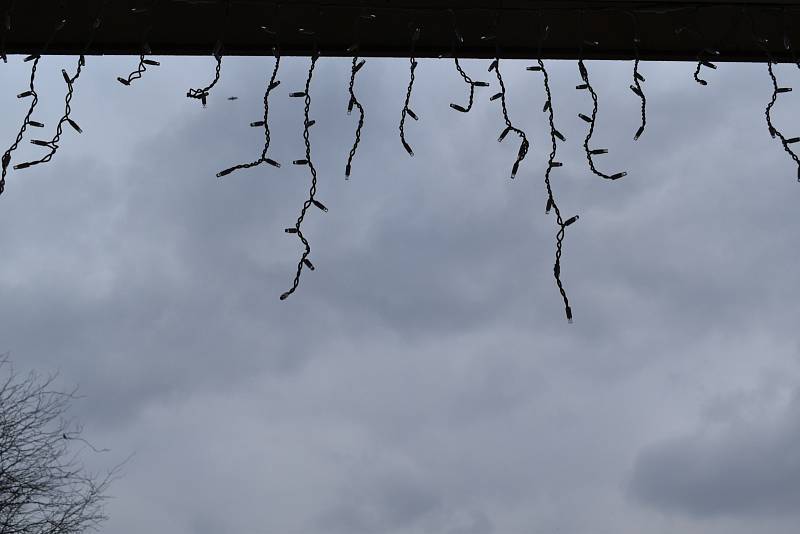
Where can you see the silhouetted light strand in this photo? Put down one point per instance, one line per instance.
(638, 78)
(591, 120)
(146, 51)
(458, 40)
(551, 201)
(5, 161)
(202, 93)
(52, 145)
(524, 145)
(353, 101)
(407, 111)
(304, 261)
(272, 84)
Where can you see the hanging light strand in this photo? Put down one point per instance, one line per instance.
(146, 51)
(272, 84)
(551, 164)
(353, 101)
(52, 144)
(590, 153)
(5, 161)
(524, 145)
(776, 90)
(202, 93)
(307, 123)
(458, 40)
(703, 56)
(407, 111)
(638, 78)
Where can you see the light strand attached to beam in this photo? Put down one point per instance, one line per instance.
(776, 90)
(551, 164)
(272, 83)
(638, 78)
(146, 51)
(5, 161)
(353, 101)
(524, 145)
(591, 152)
(407, 111)
(202, 93)
(296, 229)
(6, 28)
(703, 56)
(52, 144)
(458, 40)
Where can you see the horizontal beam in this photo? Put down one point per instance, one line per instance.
(667, 30)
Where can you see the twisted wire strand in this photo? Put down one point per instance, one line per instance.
(304, 261)
(524, 145)
(638, 78)
(551, 201)
(6, 28)
(407, 111)
(354, 103)
(202, 93)
(141, 68)
(5, 161)
(52, 144)
(457, 40)
(591, 120)
(271, 85)
(776, 90)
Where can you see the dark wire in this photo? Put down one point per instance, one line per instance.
(52, 145)
(353, 102)
(458, 40)
(6, 159)
(143, 62)
(638, 78)
(551, 164)
(272, 83)
(773, 131)
(304, 261)
(203, 92)
(407, 111)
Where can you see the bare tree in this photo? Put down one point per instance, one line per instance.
(44, 486)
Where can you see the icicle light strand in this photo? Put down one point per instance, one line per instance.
(407, 111)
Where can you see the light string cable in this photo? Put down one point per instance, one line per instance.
(703, 55)
(551, 164)
(143, 62)
(272, 84)
(638, 79)
(202, 93)
(296, 229)
(30, 93)
(353, 101)
(6, 28)
(495, 66)
(776, 90)
(586, 85)
(407, 111)
(52, 144)
(458, 40)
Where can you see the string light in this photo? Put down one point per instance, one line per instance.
(202, 93)
(638, 78)
(458, 40)
(353, 102)
(524, 145)
(5, 161)
(272, 84)
(52, 144)
(703, 57)
(551, 164)
(407, 111)
(776, 90)
(586, 85)
(143, 62)
(297, 230)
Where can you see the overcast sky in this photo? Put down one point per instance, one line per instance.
(423, 379)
